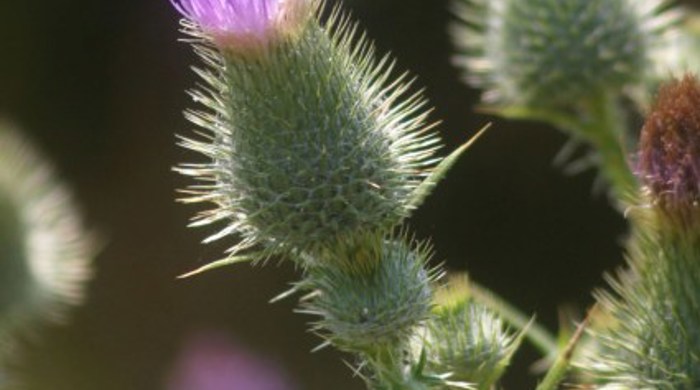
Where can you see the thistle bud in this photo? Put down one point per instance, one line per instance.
(669, 152)
(45, 258)
(649, 337)
(372, 294)
(546, 53)
(465, 338)
(307, 144)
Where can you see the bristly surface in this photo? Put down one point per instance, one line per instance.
(652, 339)
(308, 144)
(372, 294)
(556, 52)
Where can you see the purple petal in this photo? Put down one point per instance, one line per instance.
(210, 361)
(231, 17)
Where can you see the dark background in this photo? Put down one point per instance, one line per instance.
(99, 85)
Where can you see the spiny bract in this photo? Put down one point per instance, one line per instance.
(308, 143)
(557, 52)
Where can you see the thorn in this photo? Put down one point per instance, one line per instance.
(441, 169)
(285, 294)
(217, 264)
(322, 346)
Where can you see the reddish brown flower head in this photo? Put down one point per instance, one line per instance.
(669, 156)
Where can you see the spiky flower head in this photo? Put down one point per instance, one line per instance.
(46, 255)
(650, 337)
(669, 151)
(242, 26)
(372, 294)
(547, 53)
(465, 338)
(309, 146)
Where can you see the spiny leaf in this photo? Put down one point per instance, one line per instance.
(561, 366)
(426, 187)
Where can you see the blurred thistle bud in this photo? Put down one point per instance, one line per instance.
(308, 143)
(46, 255)
(466, 339)
(669, 151)
(556, 53)
(372, 294)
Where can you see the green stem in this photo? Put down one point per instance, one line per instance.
(605, 130)
(389, 370)
(560, 368)
(601, 123)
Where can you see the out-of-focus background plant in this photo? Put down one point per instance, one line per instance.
(97, 84)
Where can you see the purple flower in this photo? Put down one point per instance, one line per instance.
(233, 24)
(669, 156)
(252, 17)
(210, 361)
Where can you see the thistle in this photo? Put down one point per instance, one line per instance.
(558, 53)
(46, 254)
(313, 153)
(308, 143)
(652, 338)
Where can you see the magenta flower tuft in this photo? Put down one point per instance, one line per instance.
(210, 361)
(233, 24)
(252, 17)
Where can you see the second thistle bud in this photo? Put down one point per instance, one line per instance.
(371, 294)
(547, 53)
